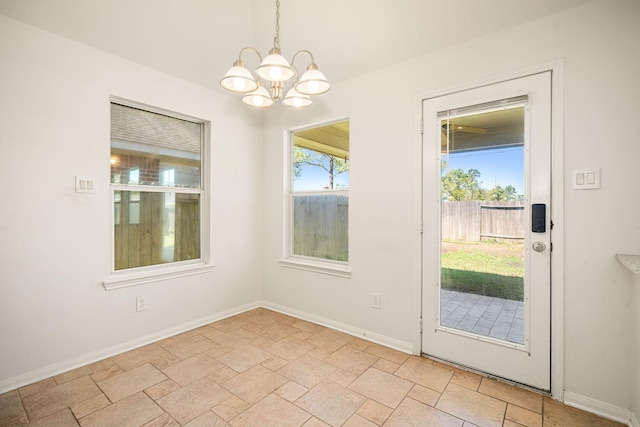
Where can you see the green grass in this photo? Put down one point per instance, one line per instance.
(484, 269)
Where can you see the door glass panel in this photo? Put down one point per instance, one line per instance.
(482, 221)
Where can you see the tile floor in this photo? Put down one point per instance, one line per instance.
(262, 368)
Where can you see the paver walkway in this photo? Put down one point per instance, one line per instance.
(482, 315)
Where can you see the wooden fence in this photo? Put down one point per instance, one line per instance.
(475, 220)
(320, 226)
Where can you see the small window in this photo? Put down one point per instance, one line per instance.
(157, 190)
(319, 194)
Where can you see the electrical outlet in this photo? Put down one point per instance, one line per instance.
(375, 300)
(141, 303)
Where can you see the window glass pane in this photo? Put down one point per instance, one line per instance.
(320, 226)
(153, 228)
(321, 158)
(153, 149)
(319, 192)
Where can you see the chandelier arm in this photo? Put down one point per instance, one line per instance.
(253, 49)
(303, 51)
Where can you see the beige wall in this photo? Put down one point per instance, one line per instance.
(55, 243)
(596, 43)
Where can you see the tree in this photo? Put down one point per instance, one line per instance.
(458, 185)
(332, 164)
(507, 193)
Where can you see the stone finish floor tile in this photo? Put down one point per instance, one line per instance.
(523, 416)
(52, 400)
(557, 415)
(382, 387)
(192, 369)
(425, 373)
(358, 421)
(193, 400)
(352, 360)
(208, 419)
(329, 340)
(331, 402)
(163, 420)
(413, 413)
(231, 408)
(90, 405)
(63, 418)
(262, 368)
(134, 410)
(140, 356)
(255, 384)
(244, 358)
(11, 410)
(516, 395)
(273, 411)
(375, 412)
(131, 382)
(472, 406)
(307, 371)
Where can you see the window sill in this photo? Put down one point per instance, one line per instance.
(330, 268)
(124, 280)
(632, 262)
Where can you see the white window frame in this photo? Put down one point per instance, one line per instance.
(318, 265)
(153, 273)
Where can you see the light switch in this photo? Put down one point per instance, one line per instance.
(585, 179)
(85, 185)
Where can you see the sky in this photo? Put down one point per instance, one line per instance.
(314, 178)
(502, 166)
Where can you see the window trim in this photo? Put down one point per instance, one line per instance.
(299, 262)
(153, 273)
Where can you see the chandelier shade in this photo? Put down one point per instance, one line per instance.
(238, 79)
(277, 74)
(275, 68)
(312, 82)
(296, 99)
(260, 98)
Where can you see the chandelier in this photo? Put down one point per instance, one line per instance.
(275, 72)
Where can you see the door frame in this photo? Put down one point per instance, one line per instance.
(556, 212)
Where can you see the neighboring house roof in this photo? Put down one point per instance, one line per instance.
(139, 126)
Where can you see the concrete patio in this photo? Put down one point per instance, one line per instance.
(488, 316)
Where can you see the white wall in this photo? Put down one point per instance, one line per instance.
(55, 243)
(635, 358)
(599, 45)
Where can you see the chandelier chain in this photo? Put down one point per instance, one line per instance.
(277, 41)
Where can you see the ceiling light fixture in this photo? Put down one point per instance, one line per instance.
(275, 72)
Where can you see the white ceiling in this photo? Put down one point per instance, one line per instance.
(198, 40)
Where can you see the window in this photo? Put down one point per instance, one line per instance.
(319, 198)
(157, 189)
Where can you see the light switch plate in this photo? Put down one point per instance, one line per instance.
(585, 179)
(85, 185)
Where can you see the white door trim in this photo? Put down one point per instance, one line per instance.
(557, 209)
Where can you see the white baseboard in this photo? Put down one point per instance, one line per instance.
(602, 409)
(386, 341)
(86, 359)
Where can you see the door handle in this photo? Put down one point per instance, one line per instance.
(538, 218)
(539, 246)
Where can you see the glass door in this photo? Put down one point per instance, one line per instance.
(485, 288)
(482, 220)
